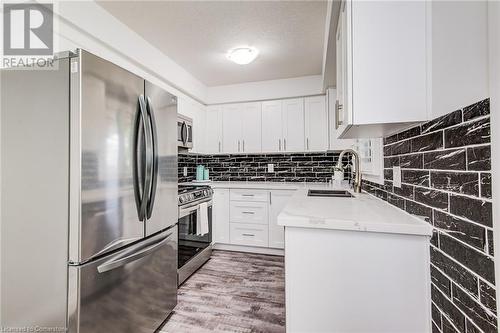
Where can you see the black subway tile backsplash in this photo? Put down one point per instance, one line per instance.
(289, 167)
(479, 158)
(445, 121)
(488, 296)
(478, 109)
(454, 270)
(441, 281)
(419, 210)
(477, 210)
(446, 176)
(470, 233)
(427, 142)
(413, 161)
(480, 263)
(436, 199)
(476, 132)
(485, 185)
(481, 317)
(409, 133)
(450, 311)
(445, 160)
(415, 177)
(459, 182)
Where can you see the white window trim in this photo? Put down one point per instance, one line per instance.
(376, 174)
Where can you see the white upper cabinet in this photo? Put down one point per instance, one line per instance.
(293, 124)
(272, 130)
(288, 125)
(316, 123)
(251, 118)
(241, 128)
(334, 142)
(231, 128)
(213, 142)
(381, 67)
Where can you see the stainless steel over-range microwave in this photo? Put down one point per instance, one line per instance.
(184, 132)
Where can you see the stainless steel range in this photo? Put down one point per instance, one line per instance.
(195, 229)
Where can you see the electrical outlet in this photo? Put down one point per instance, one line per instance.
(270, 167)
(396, 176)
(185, 171)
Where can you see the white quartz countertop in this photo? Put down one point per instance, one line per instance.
(263, 185)
(361, 213)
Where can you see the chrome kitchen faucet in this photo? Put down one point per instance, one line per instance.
(357, 165)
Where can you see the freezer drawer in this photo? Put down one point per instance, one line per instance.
(133, 290)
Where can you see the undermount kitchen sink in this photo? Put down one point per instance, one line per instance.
(329, 193)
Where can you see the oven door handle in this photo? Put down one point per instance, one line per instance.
(185, 211)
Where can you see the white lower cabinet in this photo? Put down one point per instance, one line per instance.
(278, 201)
(249, 195)
(220, 218)
(248, 212)
(249, 217)
(249, 234)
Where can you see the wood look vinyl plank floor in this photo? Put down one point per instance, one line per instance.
(232, 292)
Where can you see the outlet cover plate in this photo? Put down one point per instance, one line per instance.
(270, 167)
(396, 176)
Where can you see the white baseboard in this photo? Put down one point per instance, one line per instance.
(249, 249)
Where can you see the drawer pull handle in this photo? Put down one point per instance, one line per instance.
(247, 195)
(250, 235)
(248, 213)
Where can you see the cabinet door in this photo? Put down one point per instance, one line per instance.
(316, 121)
(335, 143)
(277, 201)
(213, 142)
(251, 117)
(231, 128)
(341, 106)
(293, 124)
(272, 135)
(221, 216)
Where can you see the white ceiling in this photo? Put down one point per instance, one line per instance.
(197, 35)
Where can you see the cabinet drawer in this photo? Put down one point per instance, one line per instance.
(248, 212)
(249, 195)
(248, 234)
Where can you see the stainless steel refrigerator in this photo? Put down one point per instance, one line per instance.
(88, 198)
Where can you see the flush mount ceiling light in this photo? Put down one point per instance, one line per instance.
(243, 55)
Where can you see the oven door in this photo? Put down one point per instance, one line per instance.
(191, 242)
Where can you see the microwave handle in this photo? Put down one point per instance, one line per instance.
(184, 133)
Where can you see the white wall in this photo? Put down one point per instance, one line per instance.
(264, 90)
(459, 55)
(87, 25)
(494, 81)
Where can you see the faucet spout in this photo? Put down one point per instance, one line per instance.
(357, 165)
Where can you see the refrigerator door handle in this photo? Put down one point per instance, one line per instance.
(154, 156)
(122, 261)
(142, 183)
